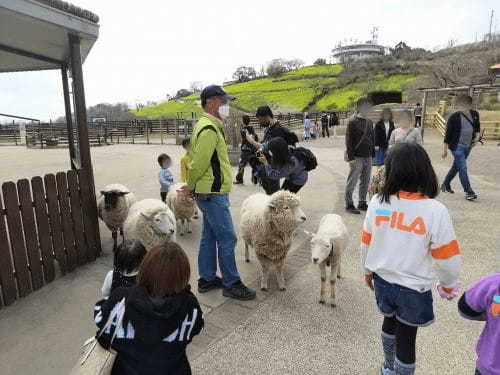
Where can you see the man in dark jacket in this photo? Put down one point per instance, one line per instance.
(273, 130)
(247, 149)
(359, 142)
(383, 131)
(324, 125)
(462, 130)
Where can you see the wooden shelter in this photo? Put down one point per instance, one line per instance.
(48, 225)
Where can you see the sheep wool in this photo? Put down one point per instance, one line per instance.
(183, 207)
(267, 224)
(114, 217)
(151, 222)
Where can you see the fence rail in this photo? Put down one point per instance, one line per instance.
(490, 129)
(46, 228)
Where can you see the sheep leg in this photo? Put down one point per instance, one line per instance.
(322, 292)
(264, 263)
(195, 214)
(280, 275)
(247, 255)
(181, 225)
(188, 225)
(114, 234)
(333, 276)
(122, 234)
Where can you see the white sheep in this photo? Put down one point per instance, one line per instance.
(327, 246)
(183, 207)
(150, 222)
(267, 224)
(113, 208)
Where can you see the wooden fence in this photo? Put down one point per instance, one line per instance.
(47, 227)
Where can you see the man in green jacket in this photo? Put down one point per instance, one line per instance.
(210, 180)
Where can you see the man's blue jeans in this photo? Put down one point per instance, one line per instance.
(218, 239)
(460, 155)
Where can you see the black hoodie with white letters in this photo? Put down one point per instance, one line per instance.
(154, 333)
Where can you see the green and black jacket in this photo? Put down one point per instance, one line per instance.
(209, 167)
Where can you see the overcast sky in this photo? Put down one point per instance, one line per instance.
(149, 48)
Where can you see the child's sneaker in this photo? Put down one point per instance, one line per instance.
(386, 371)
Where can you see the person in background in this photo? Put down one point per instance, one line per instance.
(165, 176)
(417, 112)
(359, 142)
(210, 181)
(273, 130)
(307, 128)
(405, 132)
(284, 165)
(155, 320)
(406, 216)
(462, 130)
(128, 257)
(185, 160)
(247, 150)
(482, 302)
(383, 130)
(324, 125)
(334, 121)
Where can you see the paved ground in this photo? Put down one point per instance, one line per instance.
(282, 332)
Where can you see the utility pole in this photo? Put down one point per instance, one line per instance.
(491, 25)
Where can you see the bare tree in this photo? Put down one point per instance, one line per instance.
(244, 73)
(196, 86)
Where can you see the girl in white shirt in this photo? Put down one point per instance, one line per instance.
(405, 234)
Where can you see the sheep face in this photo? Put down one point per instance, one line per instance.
(286, 213)
(111, 198)
(160, 222)
(320, 250)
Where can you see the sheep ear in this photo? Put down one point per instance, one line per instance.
(122, 193)
(146, 216)
(272, 207)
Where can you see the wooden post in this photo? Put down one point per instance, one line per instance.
(82, 127)
(69, 118)
(161, 130)
(147, 132)
(424, 110)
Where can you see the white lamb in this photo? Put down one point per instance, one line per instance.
(150, 222)
(113, 208)
(327, 246)
(183, 207)
(267, 224)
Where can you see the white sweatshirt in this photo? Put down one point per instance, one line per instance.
(401, 241)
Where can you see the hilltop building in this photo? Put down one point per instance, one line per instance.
(343, 53)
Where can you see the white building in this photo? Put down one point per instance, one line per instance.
(353, 52)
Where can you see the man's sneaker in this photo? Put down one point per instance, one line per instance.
(353, 210)
(447, 189)
(237, 182)
(471, 196)
(206, 286)
(255, 180)
(239, 291)
(386, 371)
(362, 206)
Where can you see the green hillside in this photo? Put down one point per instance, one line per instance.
(310, 87)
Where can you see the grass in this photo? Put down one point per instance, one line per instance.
(171, 108)
(344, 97)
(293, 91)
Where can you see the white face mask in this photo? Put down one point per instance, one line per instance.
(224, 110)
(270, 153)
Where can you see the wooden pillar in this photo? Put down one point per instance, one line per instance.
(69, 118)
(83, 153)
(424, 110)
(80, 107)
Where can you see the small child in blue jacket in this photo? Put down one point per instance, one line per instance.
(165, 176)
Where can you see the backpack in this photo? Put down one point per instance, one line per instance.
(305, 156)
(290, 137)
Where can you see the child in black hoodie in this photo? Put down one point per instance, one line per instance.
(161, 316)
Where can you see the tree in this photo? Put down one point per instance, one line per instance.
(244, 73)
(320, 61)
(293, 64)
(182, 93)
(196, 86)
(276, 68)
